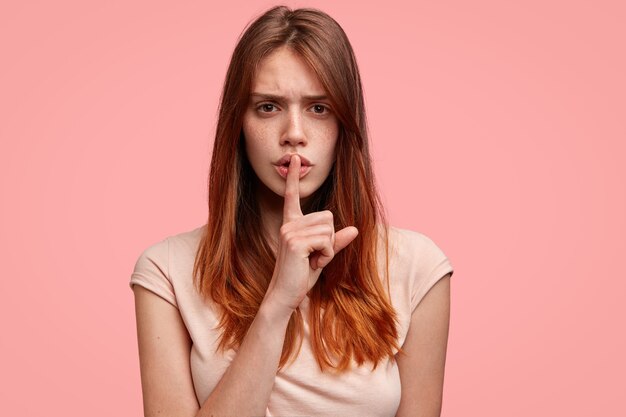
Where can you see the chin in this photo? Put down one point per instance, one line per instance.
(304, 192)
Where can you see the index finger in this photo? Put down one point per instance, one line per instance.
(291, 209)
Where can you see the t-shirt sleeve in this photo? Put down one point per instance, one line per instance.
(432, 265)
(152, 272)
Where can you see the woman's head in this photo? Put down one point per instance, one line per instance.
(312, 49)
(292, 53)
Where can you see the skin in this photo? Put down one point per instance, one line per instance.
(293, 124)
(305, 244)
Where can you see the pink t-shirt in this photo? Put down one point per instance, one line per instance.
(300, 389)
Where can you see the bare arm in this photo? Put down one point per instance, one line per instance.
(422, 369)
(164, 348)
(245, 387)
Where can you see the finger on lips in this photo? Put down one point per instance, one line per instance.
(317, 226)
(292, 208)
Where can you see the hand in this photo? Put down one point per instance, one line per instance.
(306, 245)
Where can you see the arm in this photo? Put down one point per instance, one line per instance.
(306, 245)
(245, 387)
(422, 368)
(164, 347)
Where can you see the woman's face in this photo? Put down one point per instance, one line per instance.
(285, 117)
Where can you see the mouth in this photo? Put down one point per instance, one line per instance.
(284, 169)
(284, 161)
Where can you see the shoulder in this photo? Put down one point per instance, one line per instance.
(408, 237)
(187, 241)
(411, 246)
(153, 258)
(158, 253)
(162, 261)
(416, 262)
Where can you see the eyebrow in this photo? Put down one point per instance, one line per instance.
(274, 97)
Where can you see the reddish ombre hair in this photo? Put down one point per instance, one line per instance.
(351, 316)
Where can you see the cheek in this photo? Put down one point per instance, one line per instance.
(331, 135)
(257, 141)
(253, 136)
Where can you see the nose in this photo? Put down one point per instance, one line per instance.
(293, 133)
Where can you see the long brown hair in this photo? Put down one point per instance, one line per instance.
(351, 316)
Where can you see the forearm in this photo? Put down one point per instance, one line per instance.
(245, 387)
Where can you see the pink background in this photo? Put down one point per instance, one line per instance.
(498, 129)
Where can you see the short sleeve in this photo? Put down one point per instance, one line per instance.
(432, 265)
(152, 271)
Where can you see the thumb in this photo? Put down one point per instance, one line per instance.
(344, 237)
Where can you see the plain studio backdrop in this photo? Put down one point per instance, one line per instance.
(498, 129)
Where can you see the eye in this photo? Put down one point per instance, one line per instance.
(321, 109)
(266, 106)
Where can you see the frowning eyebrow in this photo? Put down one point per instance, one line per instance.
(266, 96)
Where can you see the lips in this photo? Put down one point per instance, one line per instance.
(284, 161)
(284, 170)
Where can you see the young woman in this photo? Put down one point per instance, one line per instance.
(295, 298)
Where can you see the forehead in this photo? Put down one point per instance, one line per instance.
(287, 73)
